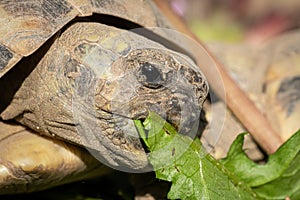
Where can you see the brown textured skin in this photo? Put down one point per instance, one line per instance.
(94, 69)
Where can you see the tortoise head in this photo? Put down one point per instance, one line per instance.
(121, 76)
(153, 79)
(142, 80)
(95, 79)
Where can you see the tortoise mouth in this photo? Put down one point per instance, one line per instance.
(126, 149)
(109, 132)
(179, 107)
(109, 127)
(112, 138)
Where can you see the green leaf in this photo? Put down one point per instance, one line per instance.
(287, 185)
(278, 178)
(194, 173)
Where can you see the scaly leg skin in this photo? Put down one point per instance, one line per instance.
(30, 162)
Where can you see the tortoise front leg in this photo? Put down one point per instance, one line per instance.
(31, 162)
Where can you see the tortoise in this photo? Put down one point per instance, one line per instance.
(51, 98)
(74, 75)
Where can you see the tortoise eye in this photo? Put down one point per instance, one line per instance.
(152, 74)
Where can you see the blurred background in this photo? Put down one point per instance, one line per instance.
(253, 21)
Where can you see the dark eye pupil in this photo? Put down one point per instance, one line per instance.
(151, 72)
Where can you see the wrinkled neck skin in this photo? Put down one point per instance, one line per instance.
(95, 79)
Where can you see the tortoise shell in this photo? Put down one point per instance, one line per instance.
(29, 24)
